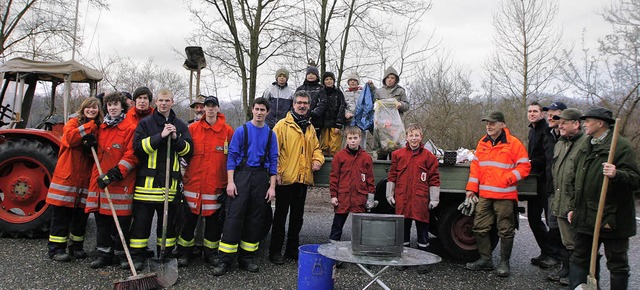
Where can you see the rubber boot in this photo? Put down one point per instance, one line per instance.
(564, 269)
(423, 269)
(577, 275)
(246, 260)
(484, 248)
(211, 256)
(226, 259)
(506, 245)
(619, 280)
(183, 255)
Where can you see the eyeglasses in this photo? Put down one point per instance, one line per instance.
(302, 103)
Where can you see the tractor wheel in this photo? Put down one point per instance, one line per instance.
(381, 196)
(26, 168)
(456, 234)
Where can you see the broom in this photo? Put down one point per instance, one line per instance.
(143, 282)
(592, 282)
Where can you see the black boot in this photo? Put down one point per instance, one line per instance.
(506, 245)
(211, 256)
(564, 270)
(76, 250)
(246, 260)
(183, 256)
(223, 266)
(101, 262)
(484, 248)
(619, 280)
(577, 275)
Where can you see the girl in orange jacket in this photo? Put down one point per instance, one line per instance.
(68, 189)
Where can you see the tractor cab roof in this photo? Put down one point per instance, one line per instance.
(50, 71)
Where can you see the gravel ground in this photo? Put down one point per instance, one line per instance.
(24, 265)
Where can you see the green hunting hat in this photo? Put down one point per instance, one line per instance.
(495, 116)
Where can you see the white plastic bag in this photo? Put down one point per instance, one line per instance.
(388, 129)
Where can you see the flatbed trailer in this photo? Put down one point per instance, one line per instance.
(453, 229)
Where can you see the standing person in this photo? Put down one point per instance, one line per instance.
(334, 115)
(500, 162)
(312, 85)
(537, 206)
(618, 219)
(205, 181)
(413, 185)
(351, 96)
(280, 97)
(390, 90)
(150, 145)
(298, 156)
(198, 108)
(350, 181)
(142, 97)
(118, 162)
(564, 157)
(70, 183)
(251, 181)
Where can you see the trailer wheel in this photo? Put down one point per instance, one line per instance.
(26, 167)
(381, 196)
(456, 234)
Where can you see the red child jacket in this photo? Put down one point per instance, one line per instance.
(350, 179)
(413, 173)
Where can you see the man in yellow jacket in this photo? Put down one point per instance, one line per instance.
(500, 162)
(299, 155)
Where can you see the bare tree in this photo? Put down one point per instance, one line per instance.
(525, 61)
(240, 36)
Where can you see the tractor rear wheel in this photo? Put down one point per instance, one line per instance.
(26, 168)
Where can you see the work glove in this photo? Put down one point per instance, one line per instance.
(391, 187)
(468, 206)
(371, 202)
(113, 175)
(434, 196)
(89, 141)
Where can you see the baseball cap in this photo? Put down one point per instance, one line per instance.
(212, 99)
(495, 116)
(569, 114)
(555, 106)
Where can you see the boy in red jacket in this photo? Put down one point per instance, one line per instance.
(350, 180)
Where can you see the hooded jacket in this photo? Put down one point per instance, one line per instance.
(296, 151)
(396, 92)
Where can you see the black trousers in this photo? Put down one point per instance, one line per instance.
(245, 213)
(107, 237)
(422, 229)
(65, 220)
(212, 229)
(338, 224)
(141, 226)
(615, 250)
(292, 196)
(535, 208)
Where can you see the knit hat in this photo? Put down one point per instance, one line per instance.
(313, 70)
(353, 76)
(328, 74)
(282, 71)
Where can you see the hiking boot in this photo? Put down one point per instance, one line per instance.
(220, 270)
(276, 259)
(101, 262)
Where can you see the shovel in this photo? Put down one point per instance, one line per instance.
(592, 283)
(166, 269)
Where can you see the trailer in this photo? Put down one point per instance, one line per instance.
(453, 229)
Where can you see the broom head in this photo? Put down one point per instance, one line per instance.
(138, 282)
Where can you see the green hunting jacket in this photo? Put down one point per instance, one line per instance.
(618, 220)
(563, 170)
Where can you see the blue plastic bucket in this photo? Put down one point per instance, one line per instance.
(315, 271)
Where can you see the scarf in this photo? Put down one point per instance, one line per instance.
(141, 113)
(110, 121)
(302, 121)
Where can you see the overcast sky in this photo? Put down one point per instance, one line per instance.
(152, 28)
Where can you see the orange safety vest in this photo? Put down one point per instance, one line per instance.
(496, 170)
(206, 174)
(70, 180)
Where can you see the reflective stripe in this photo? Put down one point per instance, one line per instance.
(190, 194)
(148, 182)
(126, 164)
(475, 158)
(92, 194)
(249, 247)
(64, 187)
(91, 204)
(59, 197)
(117, 206)
(170, 242)
(185, 243)
(176, 163)
(473, 180)
(406, 244)
(138, 243)
(498, 189)
(211, 206)
(104, 249)
(77, 238)
(228, 248)
(123, 196)
(210, 244)
(57, 239)
(522, 160)
(185, 150)
(151, 161)
(210, 196)
(517, 174)
(497, 164)
(422, 245)
(82, 132)
(146, 145)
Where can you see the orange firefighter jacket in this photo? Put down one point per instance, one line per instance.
(70, 180)
(496, 169)
(115, 148)
(206, 174)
